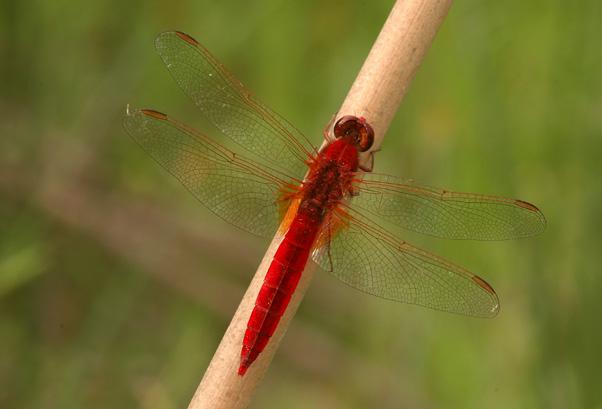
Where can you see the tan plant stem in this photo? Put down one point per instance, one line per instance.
(375, 95)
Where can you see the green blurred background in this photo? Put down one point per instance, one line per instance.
(116, 286)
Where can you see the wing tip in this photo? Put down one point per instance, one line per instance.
(164, 38)
(536, 212)
(526, 205)
(491, 313)
(495, 307)
(154, 114)
(187, 38)
(129, 117)
(483, 284)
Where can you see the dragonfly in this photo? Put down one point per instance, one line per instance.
(326, 205)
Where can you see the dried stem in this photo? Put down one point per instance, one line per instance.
(375, 95)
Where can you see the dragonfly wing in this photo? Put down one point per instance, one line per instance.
(368, 258)
(236, 189)
(447, 214)
(230, 106)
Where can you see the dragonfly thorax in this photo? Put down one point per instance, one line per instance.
(330, 177)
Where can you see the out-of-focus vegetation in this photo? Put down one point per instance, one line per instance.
(115, 286)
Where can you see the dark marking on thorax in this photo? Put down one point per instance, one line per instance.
(329, 181)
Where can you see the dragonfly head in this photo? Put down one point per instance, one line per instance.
(357, 129)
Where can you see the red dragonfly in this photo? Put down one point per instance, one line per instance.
(318, 199)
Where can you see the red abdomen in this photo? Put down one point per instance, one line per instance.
(278, 287)
(328, 181)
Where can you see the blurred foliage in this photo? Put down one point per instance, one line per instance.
(115, 287)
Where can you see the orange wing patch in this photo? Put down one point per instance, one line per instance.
(288, 204)
(289, 216)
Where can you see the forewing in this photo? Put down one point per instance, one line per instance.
(447, 214)
(368, 258)
(239, 191)
(230, 107)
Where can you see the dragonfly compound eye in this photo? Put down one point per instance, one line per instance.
(356, 128)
